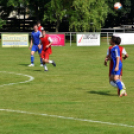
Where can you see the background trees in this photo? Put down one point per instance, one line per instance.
(85, 15)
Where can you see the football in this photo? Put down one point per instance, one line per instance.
(117, 6)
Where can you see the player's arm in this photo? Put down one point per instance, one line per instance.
(125, 54)
(31, 43)
(117, 59)
(107, 58)
(50, 42)
(40, 45)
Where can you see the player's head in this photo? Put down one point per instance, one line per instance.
(39, 23)
(118, 40)
(43, 33)
(113, 40)
(35, 27)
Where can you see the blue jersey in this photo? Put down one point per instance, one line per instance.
(36, 37)
(115, 52)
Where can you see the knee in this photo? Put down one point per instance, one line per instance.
(32, 53)
(45, 60)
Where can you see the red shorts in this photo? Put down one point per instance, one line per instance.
(110, 69)
(45, 55)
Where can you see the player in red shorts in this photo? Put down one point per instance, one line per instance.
(45, 44)
(122, 52)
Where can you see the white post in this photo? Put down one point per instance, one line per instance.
(70, 39)
(107, 39)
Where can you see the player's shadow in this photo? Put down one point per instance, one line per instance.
(37, 70)
(106, 93)
(26, 65)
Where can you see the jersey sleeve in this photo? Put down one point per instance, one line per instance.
(42, 28)
(50, 40)
(108, 52)
(40, 42)
(117, 52)
(40, 34)
(124, 51)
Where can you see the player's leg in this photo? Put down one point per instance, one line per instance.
(49, 61)
(111, 81)
(44, 64)
(33, 50)
(32, 59)
(111, 77)
(43, 61)
(39, 52)
(118, 82)
(122, 80)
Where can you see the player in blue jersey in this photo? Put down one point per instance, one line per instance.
(35, 41)
(117, 65)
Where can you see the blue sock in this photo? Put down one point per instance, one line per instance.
(32, 59)
(41, 61)
(118, 82)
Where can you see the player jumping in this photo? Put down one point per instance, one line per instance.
(35, 40)
(117, 65)
(45, 44)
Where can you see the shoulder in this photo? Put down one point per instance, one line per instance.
(39, 32)
(120, 47)
(32, 32)
(110, 48)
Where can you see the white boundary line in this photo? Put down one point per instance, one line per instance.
(30, 78)
(54, 116)
(67, 118)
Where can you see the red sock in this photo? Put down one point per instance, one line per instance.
(118, 91)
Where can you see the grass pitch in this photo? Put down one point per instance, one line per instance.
(78, 87)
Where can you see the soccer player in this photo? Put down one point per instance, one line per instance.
(40, 28)
(45, 43)
(117, 65)
(122, 52)
(35, 40)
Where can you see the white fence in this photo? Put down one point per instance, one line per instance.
(71, 37)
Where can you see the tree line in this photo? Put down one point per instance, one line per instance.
(81, 15)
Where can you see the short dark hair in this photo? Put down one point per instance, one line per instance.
(35, 25)
(116, 40)
(38, 22)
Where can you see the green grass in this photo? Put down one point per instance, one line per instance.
(78, 87)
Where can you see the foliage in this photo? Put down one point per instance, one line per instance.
(56, 11)
(2, 22)
(88, 14)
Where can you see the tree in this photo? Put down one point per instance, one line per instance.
(56, 11)
(88, 15)
(2, 22)
(7, 6)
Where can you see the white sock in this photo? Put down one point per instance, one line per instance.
(113, 84)
(45, 67)
(123, 84)
(50, 61)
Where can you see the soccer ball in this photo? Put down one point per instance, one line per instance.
(117, 6)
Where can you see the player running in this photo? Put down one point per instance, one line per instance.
(117, 65)
(45, 44)
(122, 52)
(35, 40)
